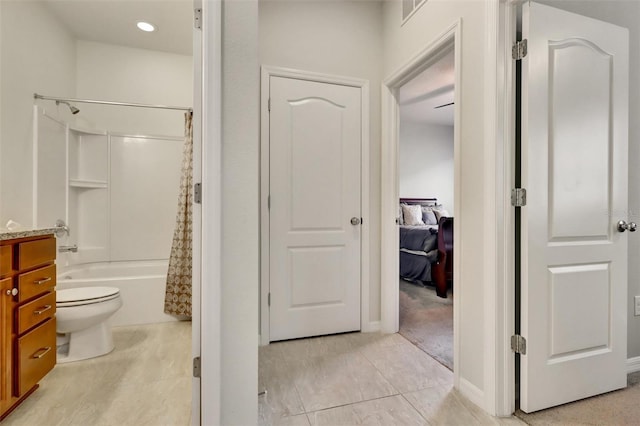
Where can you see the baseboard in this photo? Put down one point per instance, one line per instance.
(371, 327)
(633, 365)
(472, 392)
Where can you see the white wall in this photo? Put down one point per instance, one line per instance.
(401, 44)
(240, 214)
(126, 74)
(425, 166)
(341, 38)
(37, 55)
(624, 13)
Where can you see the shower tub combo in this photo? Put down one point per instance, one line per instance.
(138, 282)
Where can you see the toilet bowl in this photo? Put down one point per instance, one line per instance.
(82, 326)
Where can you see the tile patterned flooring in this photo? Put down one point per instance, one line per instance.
(349, 379)
(146, 380)
(360, 379)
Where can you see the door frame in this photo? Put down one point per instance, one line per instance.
(197, 223)
(363, 85)
(207, 243)
(498, 394)
(450, 39)
(500, 313)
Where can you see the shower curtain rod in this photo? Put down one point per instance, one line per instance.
(89, 101)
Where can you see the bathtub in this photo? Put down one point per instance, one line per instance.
(141, 284)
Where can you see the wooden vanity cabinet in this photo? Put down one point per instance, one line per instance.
(27, 310)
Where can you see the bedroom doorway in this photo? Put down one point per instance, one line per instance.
(425, 178)
(438, 65)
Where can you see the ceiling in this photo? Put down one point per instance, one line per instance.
(114, 22)
(432, 88)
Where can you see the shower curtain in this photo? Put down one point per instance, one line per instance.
(177, 299)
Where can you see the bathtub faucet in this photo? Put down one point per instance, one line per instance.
(66, 249)
(61, 228)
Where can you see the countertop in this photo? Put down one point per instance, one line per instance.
(5, 234)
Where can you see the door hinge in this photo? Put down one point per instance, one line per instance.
(518, 197)
(269, 299)
(197, 367)
(519, 344)
(197, 193)
(269, 104)
(269, 202)
(519, 50)
(197, 18)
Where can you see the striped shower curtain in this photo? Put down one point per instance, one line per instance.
(177, 299)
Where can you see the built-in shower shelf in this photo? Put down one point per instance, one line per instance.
(86, 183)
(87, 131)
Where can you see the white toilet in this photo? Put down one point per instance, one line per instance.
(82, 326)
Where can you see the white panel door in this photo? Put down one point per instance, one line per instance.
(315, 147)
(574, 167)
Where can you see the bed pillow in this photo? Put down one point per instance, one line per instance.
(441, 213)
(428, 216)
(400, 218)
(412, 214)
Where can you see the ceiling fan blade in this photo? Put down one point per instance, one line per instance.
(444, 105)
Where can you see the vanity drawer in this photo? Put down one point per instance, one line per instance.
(36, 282)
(36, 253)
(37, 311)
(36, 355)
(6, 260)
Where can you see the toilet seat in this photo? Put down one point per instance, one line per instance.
(85, 296)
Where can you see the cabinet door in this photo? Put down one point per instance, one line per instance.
(6, 306)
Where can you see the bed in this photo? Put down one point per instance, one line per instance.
(426, 243)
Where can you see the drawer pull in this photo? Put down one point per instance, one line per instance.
(42, 281)
(12, 292)
(41, 352)
(41, 310)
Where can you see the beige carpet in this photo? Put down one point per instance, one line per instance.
(616, 408)
(426, 320)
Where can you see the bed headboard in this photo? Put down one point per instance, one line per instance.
(430, 202)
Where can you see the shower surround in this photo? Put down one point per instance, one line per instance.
(117, 193)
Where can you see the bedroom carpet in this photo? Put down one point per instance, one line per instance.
(614, 408)
(426, 320)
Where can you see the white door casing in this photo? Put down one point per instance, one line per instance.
(196, 283)
(574, 167)
(315, 137)
(207, 244)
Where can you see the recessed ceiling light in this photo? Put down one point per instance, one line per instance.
(145, 26)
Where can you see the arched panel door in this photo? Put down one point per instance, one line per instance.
(574, 167)
(314, 218)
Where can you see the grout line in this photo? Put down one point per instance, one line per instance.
(415, 408)
(381, 373)
(352, 403)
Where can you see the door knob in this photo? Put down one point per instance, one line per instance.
(355, 221)
(623, 226)
(12, 292)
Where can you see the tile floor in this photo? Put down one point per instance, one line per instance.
(360, 378)
(146, 380)
(349, 379)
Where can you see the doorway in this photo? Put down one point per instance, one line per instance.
(100, 67)
(447, 45)
(426, 189)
